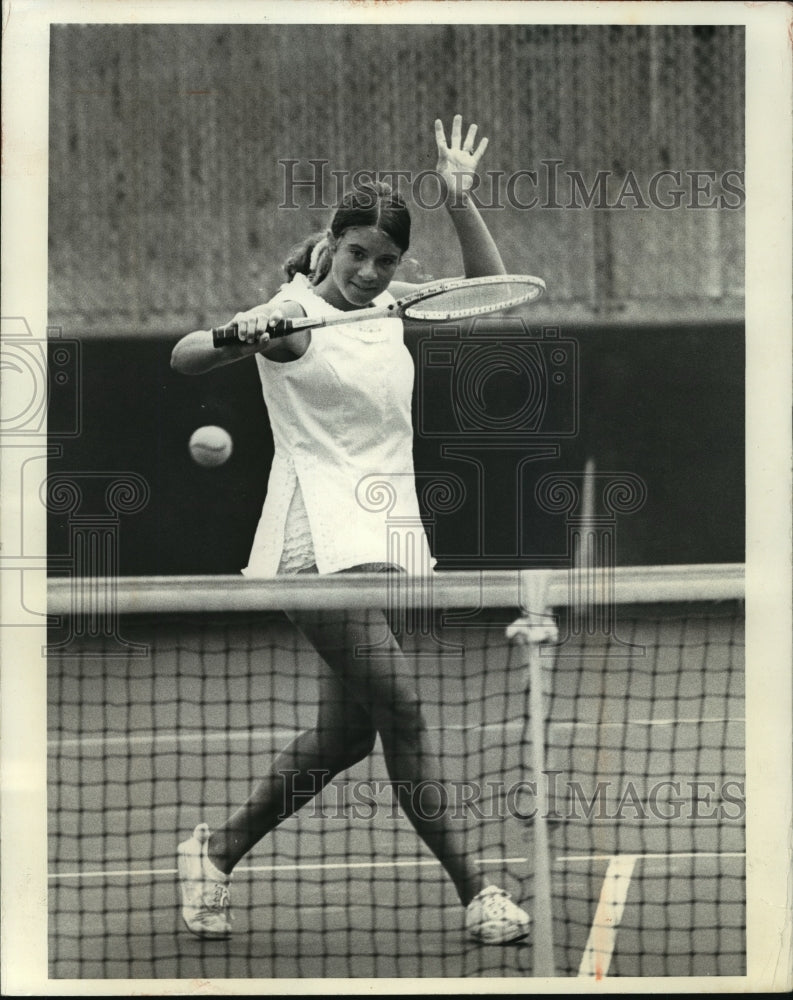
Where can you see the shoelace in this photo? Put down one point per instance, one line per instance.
(496, 904)
(219, 904)
(220, 898)
(494, 894)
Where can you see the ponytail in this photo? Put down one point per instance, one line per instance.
(311, 257)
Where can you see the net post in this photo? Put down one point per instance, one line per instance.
(591, 550)
(531, 632)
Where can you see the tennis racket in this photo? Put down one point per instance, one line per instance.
(456, 298)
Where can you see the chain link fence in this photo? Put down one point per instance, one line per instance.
(615, 169)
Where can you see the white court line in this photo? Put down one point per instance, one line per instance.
(575, 724)
(150, 739)
(255, 734)
(564, 858)
(318, 866)
(599, 948)
(416, 863)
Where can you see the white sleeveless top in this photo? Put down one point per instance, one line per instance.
(343, 460)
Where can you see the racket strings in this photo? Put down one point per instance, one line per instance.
(474, 299)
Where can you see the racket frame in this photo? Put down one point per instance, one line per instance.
(533, 288)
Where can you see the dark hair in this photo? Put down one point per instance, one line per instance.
(372, 204)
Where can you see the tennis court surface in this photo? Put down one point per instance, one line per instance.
(164, 714)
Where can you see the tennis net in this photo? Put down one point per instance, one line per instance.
(617, 818)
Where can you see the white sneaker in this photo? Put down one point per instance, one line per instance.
(206, 908)
(492, 918)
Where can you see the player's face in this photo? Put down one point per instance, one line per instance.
(364, 262)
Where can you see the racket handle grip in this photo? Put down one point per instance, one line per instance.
(222, 336)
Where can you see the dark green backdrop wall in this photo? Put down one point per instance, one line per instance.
(662, 404)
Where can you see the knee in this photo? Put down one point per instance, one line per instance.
(359, 746)
(401, 718)
(346, 749)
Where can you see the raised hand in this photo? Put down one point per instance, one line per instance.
(458, 160)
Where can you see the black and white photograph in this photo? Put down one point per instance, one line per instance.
(396, 497)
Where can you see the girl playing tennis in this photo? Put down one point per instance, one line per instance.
(339, 403)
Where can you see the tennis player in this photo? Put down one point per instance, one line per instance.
(339, 402)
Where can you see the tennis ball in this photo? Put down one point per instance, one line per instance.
(210, 446)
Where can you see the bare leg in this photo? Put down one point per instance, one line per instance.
(342, 736)
(382, 683)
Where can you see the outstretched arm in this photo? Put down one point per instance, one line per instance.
(196, 354)
(458, 161)
(456, 168)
